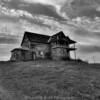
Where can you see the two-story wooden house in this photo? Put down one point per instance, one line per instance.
(37, 46)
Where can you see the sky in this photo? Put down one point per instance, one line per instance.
(79, 19)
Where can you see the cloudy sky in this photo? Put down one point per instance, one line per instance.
(79, 19)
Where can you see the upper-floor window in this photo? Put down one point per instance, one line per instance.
(32, 46)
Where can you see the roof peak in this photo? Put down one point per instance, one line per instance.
(42, 38)
(26, 32)
(59, 33)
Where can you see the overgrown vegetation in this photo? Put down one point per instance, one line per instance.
(50, 80)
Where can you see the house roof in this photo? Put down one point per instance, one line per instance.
(61, 36)
(35, 37)
(20, 49)
(70, 41)
(40, 38)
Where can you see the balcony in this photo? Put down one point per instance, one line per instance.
(64, 46)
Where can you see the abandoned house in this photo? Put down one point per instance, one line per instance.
(37, 46)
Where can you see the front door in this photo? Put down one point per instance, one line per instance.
(41, 54)
(33, 56)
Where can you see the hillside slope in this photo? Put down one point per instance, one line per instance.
(49, 80)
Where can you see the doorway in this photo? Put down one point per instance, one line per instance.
(33, 55)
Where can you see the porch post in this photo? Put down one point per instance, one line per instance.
(75, 52)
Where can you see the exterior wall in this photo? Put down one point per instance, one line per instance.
(59, 52)
(29, 55)
(26, 42)
(42, 51)
(16, 56)
(19, 55)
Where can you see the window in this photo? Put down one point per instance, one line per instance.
(15, 55)
(41, 53)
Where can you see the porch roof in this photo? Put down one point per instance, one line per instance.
(21, 49)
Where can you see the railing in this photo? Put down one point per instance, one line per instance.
(64, 46)
(30, 49)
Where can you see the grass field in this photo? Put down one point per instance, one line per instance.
(49, 80)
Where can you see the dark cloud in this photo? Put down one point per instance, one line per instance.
(9, 18)
(3, 50)
(89, 49)
(91, 13)
(76, 8)
(11, 3)
(97, 34)
(85, 3)
(8, 40)
(79, 8)
(81, 32)
(37, 8)
(41, 9)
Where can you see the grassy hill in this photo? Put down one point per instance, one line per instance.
(49, 80)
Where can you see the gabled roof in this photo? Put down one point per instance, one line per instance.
(71, 41)
(39, 38)
(35, 37)
(20, 49)
(61, 36)
(56, 36)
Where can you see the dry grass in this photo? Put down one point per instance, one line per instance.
(49, 80)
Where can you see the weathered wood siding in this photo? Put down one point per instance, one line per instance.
(42, 50)
(58, 52)
(19, 55)
(26, 42)
(29, 55)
